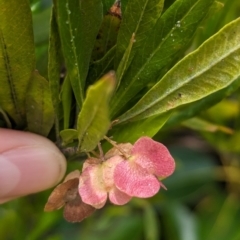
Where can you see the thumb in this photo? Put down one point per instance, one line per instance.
(29, 163)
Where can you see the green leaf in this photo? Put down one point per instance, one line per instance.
(66, 97)
(131, 131)
(165, 43)
(213, 66)
(101, 67)
(206, 126)
(151, 223)
(139, 18)
(17, 60)
(107, 4)
(191, 109)
(69, 135)
(182, 222)
(54, 66)
(107, 35)
(93, 120)
(124, 61)
(39, 109)
(41, 26)
(78, 22)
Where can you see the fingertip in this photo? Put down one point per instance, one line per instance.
(32, 164)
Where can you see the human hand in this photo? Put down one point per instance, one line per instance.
(29, 163)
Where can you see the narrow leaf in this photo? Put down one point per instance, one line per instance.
(66, 97)
(17, 59)
(191, 109)
(213, 66)
(206, 126)
(93, 120)
(165, 43)
(54, 65)
(78, 22)
(40, 113)
(139, 18)
(124, 62)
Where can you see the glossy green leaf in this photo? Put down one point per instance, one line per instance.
(191, 109)
(39, 108)
(69, 135)
(206, 126)
(93, 120)
(17, 60)
(139, 18)
(54, 66)
(213, 66)
(78, 22)
(165, 43)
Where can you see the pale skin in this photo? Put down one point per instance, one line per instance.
(29, 164)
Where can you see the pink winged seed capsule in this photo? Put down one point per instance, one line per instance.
(123, 177)
(138, 176)
(96, 184)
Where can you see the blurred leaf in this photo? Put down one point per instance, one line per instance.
(151, 223)
(107, 4)
(139, 18)
(180, 223)
(44, 223)
(93, 120)
(78, 22)
(184, 82)
(165, 43)
(39, 109)
(68, 135)
(219, 212)
(193, 174)
(107, 35)
(116, 228)
(54, 66)
(224, 142)
(5, 118)
(224, 111)
(41, 26)
(206, 126)
(17, 60)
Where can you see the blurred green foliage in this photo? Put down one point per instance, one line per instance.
(203, 197)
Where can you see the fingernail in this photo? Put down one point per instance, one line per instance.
(30, 169)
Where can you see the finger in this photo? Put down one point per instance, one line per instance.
(29, 163)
